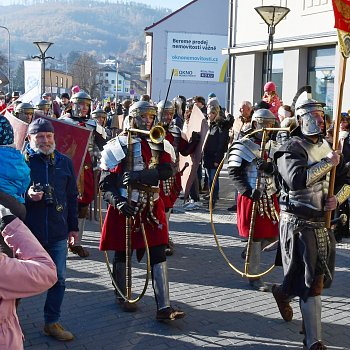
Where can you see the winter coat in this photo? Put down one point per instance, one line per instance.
(30, 273)
(215, 145)
(52, 223)
(14, 173)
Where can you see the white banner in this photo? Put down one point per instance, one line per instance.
(196, 57)
(32, 75)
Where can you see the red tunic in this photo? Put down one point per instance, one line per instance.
(114, 226)
(264, 226)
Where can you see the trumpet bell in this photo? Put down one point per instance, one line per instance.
(157, 134)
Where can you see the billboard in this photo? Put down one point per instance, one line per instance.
(32, 75)
(196, 57)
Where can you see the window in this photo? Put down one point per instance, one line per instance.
(321, 68)
(56, 80)
(277, 71)
(106, 74)
(66, 83)
(112, 81)
(61, 81)
(106, 81)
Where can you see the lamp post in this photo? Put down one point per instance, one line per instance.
(117, 81)
(43, 46)
(272, 15)
(9, 55)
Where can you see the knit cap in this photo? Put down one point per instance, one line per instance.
(6, 132)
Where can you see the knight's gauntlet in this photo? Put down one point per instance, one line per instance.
(318, 171)
(343, 194)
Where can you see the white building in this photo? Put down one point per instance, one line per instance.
(305, 52)
(108, 82)
(188, 43)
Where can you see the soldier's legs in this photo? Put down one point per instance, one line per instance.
(311, 312)
(160, 285)
(254, 267)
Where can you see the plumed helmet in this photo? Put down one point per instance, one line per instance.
(81, 96)
(42, 105)
(263, 118)
(24, 107)
(303, 110)
(270, 86)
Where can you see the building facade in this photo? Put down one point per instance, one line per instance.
(305, 52)
(185, 47)
(114, 83)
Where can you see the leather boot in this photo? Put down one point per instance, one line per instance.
(254, 268)
(77, 248)
(311, 312)
(119, 275)
(283, 303)
(161, 291)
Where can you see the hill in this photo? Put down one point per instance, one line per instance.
(101, 28)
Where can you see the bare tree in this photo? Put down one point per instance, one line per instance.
(84, 71)
(3, 62)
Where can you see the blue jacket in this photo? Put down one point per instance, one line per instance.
(52, 223)
(14, 173)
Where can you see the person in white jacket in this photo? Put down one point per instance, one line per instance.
(31, 271)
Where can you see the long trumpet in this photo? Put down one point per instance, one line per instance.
(244, 273)
(156, 134)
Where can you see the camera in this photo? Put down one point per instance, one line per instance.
(48, 193)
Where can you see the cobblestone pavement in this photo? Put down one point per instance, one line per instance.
(222, 312)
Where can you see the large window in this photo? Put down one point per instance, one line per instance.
(321, 75)
(277, 71)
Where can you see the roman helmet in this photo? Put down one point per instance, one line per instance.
(24, 111)
(303, 110)
(137, 110)
(76, 99)
(43, 105)
(100, 116)
(263, 118)
(165, 109)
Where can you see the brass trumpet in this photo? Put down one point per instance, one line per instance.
(156, 134)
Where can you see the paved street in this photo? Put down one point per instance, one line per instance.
(222, 312)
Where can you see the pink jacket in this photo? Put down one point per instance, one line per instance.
(31, 273)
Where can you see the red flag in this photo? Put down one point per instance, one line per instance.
(341, 9)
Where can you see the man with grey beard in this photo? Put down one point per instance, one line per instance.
(52, 212)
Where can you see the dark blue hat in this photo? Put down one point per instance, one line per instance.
(40, 125)
(6, 132)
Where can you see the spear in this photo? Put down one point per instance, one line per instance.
(340, 8)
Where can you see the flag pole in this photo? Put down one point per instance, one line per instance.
(337, 118)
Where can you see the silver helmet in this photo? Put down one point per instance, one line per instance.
(43, 105)
(24, 111)
(163, 108)
(263, 118)
(99, 115)
(303, 110)
(76, 99)
(137, 110)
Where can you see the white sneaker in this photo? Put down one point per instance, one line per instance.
(193, 205)
(185, 205)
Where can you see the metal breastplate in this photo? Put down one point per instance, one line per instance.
(313, 196)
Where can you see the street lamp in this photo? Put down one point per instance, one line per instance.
(272, 15)
(9, 55)
(43, 46)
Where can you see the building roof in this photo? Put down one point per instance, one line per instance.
(168, 16)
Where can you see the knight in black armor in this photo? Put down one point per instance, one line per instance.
(307, 246)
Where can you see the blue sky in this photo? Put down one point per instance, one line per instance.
(171, 4)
